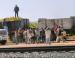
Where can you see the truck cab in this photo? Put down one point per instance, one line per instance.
(3, 36)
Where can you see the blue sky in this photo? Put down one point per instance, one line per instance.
(34, 9)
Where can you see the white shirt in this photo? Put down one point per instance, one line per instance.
(47, 33)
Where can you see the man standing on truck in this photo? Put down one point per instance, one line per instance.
(16, 9)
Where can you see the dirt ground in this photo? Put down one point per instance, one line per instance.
(72, 37)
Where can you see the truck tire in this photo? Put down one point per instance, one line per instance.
(3, 42)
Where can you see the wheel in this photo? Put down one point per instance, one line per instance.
(3, 42)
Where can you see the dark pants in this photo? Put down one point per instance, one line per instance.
(16, 14)
(34, 39)
(42, 38)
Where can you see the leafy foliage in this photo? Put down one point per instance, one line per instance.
(12, 19)
(33, 25)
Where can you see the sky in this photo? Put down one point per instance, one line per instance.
(34, 9)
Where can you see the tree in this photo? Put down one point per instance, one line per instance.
(33, 25)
